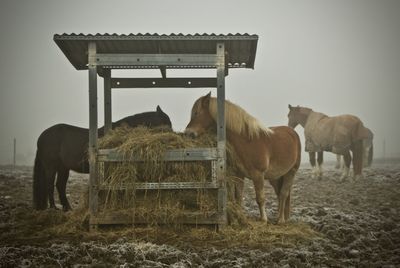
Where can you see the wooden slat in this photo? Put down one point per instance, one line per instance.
(93, 178)
(163, 186)
(186, 82)
(157, 59)
(107, 101)
(221, 133)
(195, 154)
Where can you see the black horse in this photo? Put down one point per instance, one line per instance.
(62, 148)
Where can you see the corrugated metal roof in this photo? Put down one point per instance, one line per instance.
(240, 48)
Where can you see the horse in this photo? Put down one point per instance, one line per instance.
(338, 134)
(63, 147)
(368, 154)
(263, 153)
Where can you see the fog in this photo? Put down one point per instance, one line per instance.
(336, 57)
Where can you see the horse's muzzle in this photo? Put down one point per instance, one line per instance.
(190, 133)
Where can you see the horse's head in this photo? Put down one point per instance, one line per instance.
(162, 118)
(201, 119)
(298, 115)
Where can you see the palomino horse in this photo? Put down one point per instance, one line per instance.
(338, 134)
(62, 148)
(368, 154)
(263, 153)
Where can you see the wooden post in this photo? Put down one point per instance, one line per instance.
(93, 125)
(107, 101)
(221, 134)
(14, 155)
(384, 151)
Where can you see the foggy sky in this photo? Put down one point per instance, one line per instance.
(336, 57)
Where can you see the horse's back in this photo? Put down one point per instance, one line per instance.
(147, 119)
(63, 144)
(285, 138)
(285, 149)
(53, 135)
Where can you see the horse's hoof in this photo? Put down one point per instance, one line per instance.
(65, 209)
(54, 207)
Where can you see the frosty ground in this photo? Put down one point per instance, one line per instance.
(348, 223)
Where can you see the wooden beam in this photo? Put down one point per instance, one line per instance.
(107, 101)
(221, 132)
(162, 186)
(193, 82)
(157, 60)
(190, 154)
(93, 124)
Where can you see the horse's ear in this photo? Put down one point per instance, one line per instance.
(290, 107)
(158, 109)
(206, 99)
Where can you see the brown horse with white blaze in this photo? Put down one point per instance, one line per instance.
(263, 153)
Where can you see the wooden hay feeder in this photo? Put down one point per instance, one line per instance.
(99, 54)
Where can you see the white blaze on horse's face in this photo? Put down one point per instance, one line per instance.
(201, 119)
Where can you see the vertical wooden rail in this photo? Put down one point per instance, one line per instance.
(93, 183)
(107, 101)
(107, 117)
(221, 134)
(15, 155)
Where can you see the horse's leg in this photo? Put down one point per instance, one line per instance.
(287, 207)
(258, 181)
(239, 188)
(277, 185)
(62, 178)
(338, 161)
(365, 155)
(320, 160)
(357, 149)
(346, 168)
(50, 178)
(312, 162)
(284, 196)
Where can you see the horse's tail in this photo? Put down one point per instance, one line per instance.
(358, 152)
(298, 162)
(370, 155)
(39, 185)
(360, 131)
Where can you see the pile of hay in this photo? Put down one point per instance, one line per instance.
(158, 205)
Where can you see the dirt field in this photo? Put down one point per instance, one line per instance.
(350, 224)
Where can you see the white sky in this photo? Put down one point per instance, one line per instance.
(335, 57)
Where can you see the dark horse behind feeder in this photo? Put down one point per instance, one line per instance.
(337, 134)
(62, 148)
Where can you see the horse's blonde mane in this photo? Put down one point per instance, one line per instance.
(238, 120)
